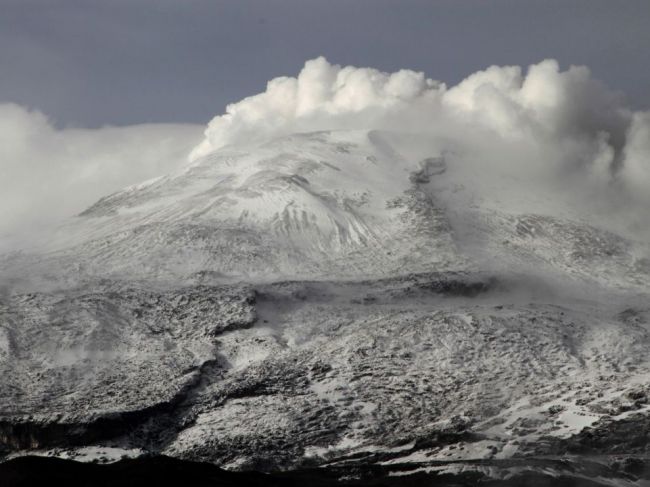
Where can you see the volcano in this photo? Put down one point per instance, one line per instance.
(352, 300)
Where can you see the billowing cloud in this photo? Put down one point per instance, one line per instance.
(545, 127)
(323, 96)
(47, 174)
(544, 119)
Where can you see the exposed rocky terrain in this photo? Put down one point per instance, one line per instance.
(330, 299)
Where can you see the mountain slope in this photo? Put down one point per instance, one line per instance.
(325, 299)
(332, 205)
(324, 204)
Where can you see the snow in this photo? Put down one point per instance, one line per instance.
(101, 454)
(329, 294)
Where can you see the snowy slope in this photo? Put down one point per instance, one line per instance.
(325, 297)
(320, 204)
(335, 205)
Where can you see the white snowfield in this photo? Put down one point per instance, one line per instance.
(325, 297)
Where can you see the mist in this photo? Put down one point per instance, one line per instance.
(49, 174)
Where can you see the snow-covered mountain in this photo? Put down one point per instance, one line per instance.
(328, 298)
(307, 205)
(346, 204)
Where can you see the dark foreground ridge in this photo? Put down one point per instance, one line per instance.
(162, 470)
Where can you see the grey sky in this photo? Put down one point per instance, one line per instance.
(89, 63)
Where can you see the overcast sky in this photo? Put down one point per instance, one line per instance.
(88, 63)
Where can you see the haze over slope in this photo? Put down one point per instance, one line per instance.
(48, 173)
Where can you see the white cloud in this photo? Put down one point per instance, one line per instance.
(537, 124)
(323, 96)
(326, 96)
(556, 131)
(637, 156)
(47, 174)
